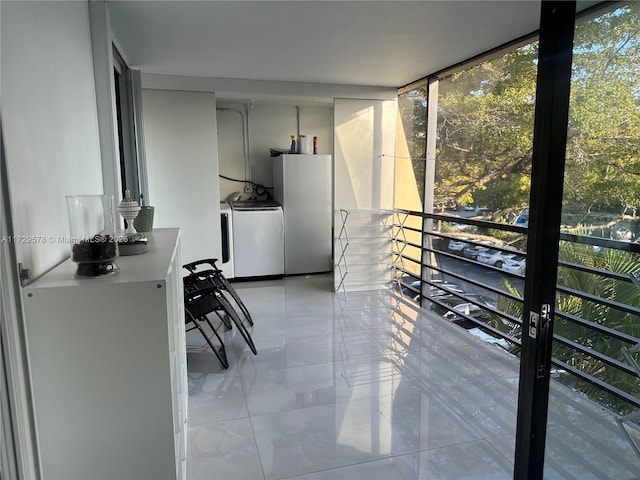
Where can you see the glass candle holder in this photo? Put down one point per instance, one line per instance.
(92, 228)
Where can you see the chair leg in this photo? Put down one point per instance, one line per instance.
(236, 298)
(223, 318)
(225, 321)
(236, 319)
(220, 352)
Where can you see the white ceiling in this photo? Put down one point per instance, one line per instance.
(368, 43)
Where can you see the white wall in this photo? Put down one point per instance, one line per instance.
(269, 125)
(364, 153)
(363, 180)
(182, 163)
(49, 121)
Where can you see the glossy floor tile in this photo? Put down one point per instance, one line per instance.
(369, 386)
(473, 460)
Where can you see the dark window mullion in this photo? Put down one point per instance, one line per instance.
(557, 22)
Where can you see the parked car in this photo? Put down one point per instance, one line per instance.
(405, 281)
(494, 257)
(517, 264)
(449, 300)
(522, 219)
(481, 333)
(472, 251)
(457, 246)
(436, 290)
(466, 308)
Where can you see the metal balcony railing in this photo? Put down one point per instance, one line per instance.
(597, 314)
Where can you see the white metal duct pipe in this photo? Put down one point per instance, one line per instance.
(245, 139)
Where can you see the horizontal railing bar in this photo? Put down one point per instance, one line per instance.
(485, 326)
(597, 355)
(405, 227)
(484, 306)
(467, 221)
(474, 282)
(564, 237)
(409, 287)
(596, 271)
(600, 242)
(611, 332)
(408, 243)
(568, 237)
(412, 275)
(407, 257)
(627, 397)
(599, 300)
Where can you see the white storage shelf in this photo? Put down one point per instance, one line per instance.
(363, 250)
(108, 366)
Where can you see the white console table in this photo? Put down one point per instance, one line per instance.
(108, 365)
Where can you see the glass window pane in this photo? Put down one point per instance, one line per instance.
(485, 134)
(411, 148)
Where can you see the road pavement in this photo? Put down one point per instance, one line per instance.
(476, 272)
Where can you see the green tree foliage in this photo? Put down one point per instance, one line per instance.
(511, 190)
(603, 148)
(485, 126)
(486, 114)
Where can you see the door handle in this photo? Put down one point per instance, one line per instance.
(540, 329)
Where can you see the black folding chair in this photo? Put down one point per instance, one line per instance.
(207, 280)
(194, 283)
(197, 305)
(221, 281)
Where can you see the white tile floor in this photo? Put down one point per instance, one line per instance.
(370, 388)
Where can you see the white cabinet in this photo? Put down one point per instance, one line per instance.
(108, 368)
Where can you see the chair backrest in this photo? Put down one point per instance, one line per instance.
(193, 266)
(200, 280)
(198, 303)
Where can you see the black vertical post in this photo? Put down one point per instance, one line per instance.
(557, 20)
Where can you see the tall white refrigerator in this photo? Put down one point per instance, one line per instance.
(302, 184)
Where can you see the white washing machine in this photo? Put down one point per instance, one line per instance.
(258, 239)
(226, 233)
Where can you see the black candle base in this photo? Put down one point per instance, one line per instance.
(96, 269)
(95, 256)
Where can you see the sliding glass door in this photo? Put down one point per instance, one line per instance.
(594, 400)
(534, 157)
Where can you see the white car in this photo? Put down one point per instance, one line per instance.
(473, 250)
(517, 265)
(436, 291)
(463, 308)
(457, 245)
(500, 342)
(494, 257)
